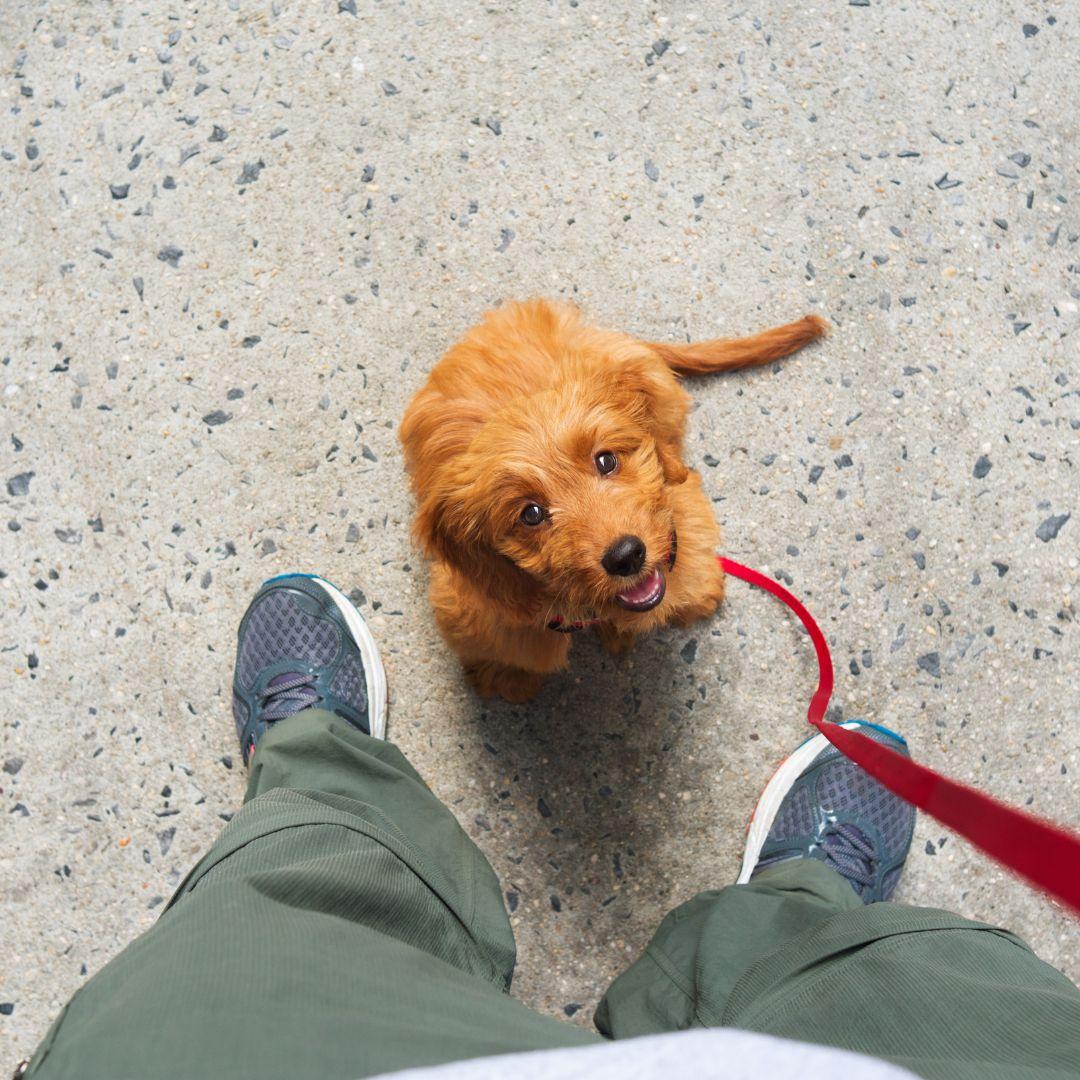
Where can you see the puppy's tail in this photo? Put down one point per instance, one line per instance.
(726, 354)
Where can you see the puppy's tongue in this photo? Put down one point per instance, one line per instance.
(645, 595)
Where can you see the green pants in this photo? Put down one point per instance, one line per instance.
(344, 925)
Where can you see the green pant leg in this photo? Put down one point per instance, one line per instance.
(339, 930)
(795, 954)
(319, 752)
(702, 947)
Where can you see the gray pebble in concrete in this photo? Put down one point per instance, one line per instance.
(250, 172)
(19, 484)
(931, 662)
(1049, 529)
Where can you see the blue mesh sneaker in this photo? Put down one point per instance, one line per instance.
(303, 645)
(818, 805)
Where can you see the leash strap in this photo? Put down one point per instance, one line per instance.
(1044, 853)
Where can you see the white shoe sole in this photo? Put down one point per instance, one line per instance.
(768, 806)
(374, 672)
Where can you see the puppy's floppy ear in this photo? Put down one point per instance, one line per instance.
(657, 402)
(448, 532)
(436, 432)
(675, 472)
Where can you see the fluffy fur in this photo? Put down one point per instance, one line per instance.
(516, 413)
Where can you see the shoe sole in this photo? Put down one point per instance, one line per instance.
(374, 672)
(776, 790)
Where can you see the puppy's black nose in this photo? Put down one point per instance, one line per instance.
(625, 557)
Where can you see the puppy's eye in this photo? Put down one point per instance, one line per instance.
(532, 514)
(606, 462)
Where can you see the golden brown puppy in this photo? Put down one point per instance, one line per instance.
(545, 457)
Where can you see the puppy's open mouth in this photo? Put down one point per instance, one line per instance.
(645, 595)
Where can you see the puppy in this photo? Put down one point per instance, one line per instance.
(545, 457)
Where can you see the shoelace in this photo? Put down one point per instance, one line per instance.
(288, 697)
(849, 852)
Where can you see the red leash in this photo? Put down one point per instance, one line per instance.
(1044, 853)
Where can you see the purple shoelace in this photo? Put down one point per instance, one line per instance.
(849, 852)
(287, 694)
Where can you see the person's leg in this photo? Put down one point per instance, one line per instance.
(342, 925)
(800, 949)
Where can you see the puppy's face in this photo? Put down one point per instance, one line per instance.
(570, 487)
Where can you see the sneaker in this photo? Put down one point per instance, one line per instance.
(303, 645)
(819, 805)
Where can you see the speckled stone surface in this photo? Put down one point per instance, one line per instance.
(235, 239)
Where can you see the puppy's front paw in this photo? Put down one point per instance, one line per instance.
(616, 641)
(514, 685)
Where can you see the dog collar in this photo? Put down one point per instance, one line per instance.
(561, 626)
